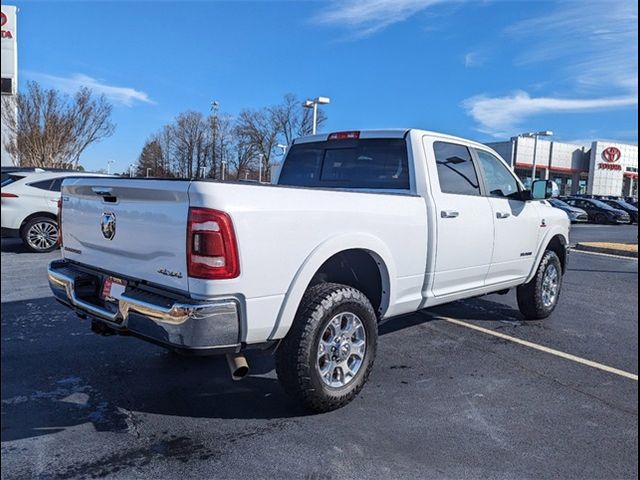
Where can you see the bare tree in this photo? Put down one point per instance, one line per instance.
(243, 158)
(194, 145)
(261, 132)
(48, 129)
(189, 144)
(292, 120)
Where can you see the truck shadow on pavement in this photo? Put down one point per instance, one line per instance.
(57, 374)
(476, 309)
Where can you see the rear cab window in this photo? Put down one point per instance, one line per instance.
(456, 172)
(371, 163)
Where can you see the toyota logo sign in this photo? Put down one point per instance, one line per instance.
(3, 19)
(611, 154)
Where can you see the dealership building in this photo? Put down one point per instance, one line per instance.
(9, 64)
(603, 168)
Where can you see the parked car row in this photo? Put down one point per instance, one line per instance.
(630, 200)
(597, 211)
(30, 206)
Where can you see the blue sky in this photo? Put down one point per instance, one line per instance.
(479, 69)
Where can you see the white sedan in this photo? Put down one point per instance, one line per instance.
(30, 207)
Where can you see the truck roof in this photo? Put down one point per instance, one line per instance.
(386, 133)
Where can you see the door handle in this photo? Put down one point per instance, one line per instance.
(102, 191)
(449, 214)
(502, 215)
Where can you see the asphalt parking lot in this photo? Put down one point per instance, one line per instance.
(444, 400)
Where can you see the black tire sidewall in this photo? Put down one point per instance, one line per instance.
(30, 224)
(601, 219)
(529, 295)
(369, 322)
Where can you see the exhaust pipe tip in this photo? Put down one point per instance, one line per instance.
(238, 366)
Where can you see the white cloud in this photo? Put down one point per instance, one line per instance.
(589, 49)
(595, 43)
(366, 17)
(501, 116)
(120, 95)
(474, 59)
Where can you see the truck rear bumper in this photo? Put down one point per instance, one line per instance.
(181, 323)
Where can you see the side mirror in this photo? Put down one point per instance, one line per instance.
(543, 189)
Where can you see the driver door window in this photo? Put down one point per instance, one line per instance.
(499, 180)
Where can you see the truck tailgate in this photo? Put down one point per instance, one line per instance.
(130, 227)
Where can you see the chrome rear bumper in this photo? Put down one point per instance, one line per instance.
(174, 323)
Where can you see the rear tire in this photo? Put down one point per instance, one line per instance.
(327, 356)
(538, 298)
(40, 234)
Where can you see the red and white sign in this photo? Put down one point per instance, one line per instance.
(4, 19)
(611, 154)
(609, 166)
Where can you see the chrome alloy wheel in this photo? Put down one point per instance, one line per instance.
(550, 286)
(341, 350)
(42, 235)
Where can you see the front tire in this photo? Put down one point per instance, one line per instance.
(538, 298)
(327, 356)
(601, 219)
(40, 234)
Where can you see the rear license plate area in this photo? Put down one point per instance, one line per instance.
(112, 289)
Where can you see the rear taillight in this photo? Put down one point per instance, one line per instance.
(60, 221)
(8, 195)
(212, 251)
(344, 135)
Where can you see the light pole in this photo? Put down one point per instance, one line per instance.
(314, 105)
(535, 135)
(131, 167)
(109, 163)
(261, 156)
(224, 166)
(215, 107)
(283, 147)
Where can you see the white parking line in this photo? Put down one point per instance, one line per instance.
(542, 348)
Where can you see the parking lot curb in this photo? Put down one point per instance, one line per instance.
(585, 247)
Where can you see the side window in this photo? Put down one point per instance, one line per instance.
(42, 185)
(500, 181)
(456, 171)
(56, 186)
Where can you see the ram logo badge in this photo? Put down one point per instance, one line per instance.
(108, 225)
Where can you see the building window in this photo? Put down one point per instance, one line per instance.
(7, 86)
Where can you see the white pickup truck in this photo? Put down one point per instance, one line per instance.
(360, 227)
